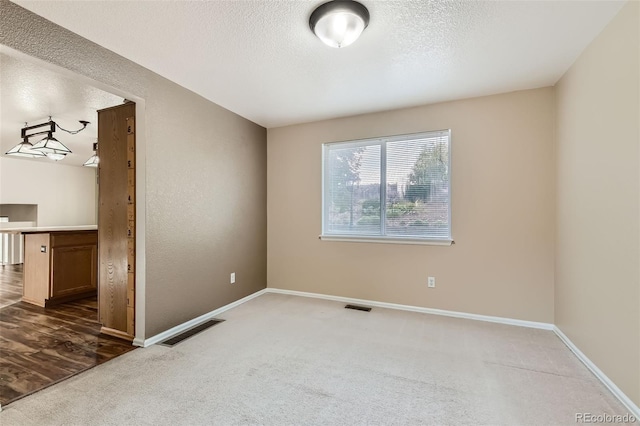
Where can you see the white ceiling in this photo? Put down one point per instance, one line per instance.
(31, 93)
(259, 59)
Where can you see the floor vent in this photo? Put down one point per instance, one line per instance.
(358, 308)
(191, 332)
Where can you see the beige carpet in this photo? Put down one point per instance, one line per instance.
(285, 360)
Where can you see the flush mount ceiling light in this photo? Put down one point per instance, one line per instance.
(339, 23)
(49, 146)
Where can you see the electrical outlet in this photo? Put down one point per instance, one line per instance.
(233, 277)
(431, 282)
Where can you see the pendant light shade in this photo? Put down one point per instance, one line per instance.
(25, 149)
(94, 160)
(339, 23)
(51, 145)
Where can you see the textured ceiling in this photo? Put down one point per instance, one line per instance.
(31, 93)
(259, 59)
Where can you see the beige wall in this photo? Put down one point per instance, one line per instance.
(597, 293)
(502, 211)
(206, 202)
(65, 195)
(205, 177)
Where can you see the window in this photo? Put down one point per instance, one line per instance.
(393, 188)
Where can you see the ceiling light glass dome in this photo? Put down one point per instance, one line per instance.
(339, 23)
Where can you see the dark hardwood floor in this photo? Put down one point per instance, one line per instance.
(42, 346)
(10, 284)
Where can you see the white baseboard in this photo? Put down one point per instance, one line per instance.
(477, 317)
(624, 399)
(194, 322)
(202, 318)
(615, 390)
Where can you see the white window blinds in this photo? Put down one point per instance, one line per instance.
(396, 187)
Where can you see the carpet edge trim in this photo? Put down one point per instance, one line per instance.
(606, 381)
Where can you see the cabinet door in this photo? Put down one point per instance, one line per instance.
(74, 270)
(36, 268)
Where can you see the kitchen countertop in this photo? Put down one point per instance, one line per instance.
(42, 229)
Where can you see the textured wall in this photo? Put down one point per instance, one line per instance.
(597, 276)
(502, 211)
(205, 177)
(65, 195)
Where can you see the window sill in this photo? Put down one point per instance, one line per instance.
(387, 240)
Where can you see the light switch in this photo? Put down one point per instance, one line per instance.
(43, 249)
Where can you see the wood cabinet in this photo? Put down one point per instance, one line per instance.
(116, 220)
(60, 266)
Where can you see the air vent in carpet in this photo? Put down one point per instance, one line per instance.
(191, 332)
(358, 308)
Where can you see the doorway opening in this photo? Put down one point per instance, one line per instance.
(43, 343)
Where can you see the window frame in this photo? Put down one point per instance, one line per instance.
(382, 237)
